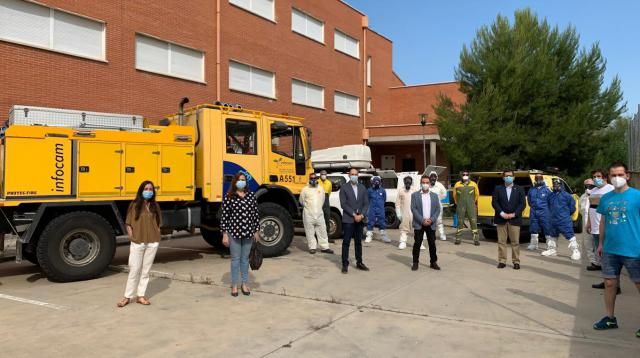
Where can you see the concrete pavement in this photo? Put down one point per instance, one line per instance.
(302, 306)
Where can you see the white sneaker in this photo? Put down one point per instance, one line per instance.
(422, 247)
(369, 237)
(402, 246)
(385, 238)
(532, 246)
(575, 255)
(550, 252)
(575, 249)
(443, 238)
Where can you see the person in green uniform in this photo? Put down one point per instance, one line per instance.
(465, 196)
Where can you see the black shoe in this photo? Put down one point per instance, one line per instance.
(477, 243)
(593, 267)
(435, 266)
(516, 266)
(345, 269)
(312, 251)
(246, 293)
(362, 267)
(457, 242)
(414, 267)
(327, 251)
(234, 294)
(599, 286)
(502, 265)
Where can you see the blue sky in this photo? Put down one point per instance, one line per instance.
(428, 34)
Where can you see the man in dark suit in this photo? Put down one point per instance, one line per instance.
(508, 202)
(355, 203)
(425, 208)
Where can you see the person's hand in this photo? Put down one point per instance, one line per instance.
(504, 215)
(256, 236)
(599, 250)
(589, 229)
(429, 222)
(225, 239)
(511, 216)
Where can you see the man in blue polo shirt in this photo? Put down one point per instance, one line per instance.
(619, 239)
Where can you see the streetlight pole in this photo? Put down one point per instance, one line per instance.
(423, 122)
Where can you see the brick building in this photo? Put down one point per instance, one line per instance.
(316, 59)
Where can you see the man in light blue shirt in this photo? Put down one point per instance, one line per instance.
(619, 239)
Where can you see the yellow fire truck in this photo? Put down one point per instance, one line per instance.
(68, 177)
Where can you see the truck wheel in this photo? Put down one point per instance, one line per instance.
(390, 217)
(491, 234)
(213, 238)
(335, 226)
(76, 246)
(276, 228)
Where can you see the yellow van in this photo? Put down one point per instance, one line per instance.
(487, 181)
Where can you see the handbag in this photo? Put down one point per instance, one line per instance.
(255, 256)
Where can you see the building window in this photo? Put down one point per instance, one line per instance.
(252, 80)
(346, 44)
(241, 137)
(307, 94)
(307, 26)
(262, 8)
(39, 26)
(346, 103)
(369, 71)
(169, 59)
(369, 105)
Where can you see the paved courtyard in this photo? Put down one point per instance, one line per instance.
(302, 306)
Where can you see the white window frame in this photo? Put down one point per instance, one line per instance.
(350, 95)
(307, 16)
(249, 9)
(251, 67)
(307, 83)
(369, 69)
(169, 44)
(369, 105)
(357, 55)
(51, 48)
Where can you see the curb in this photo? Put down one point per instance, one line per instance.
(189, 278)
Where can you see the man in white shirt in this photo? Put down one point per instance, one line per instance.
(593, 219)
(441, 191)
(312, 199)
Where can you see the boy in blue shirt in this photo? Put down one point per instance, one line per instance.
(619, 239)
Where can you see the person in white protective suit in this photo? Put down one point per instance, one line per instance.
(403, 212)
(312, 199)
(441, 191)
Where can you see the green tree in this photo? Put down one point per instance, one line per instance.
(534, 99)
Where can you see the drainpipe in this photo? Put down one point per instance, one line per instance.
(365, 26)
(218, 50)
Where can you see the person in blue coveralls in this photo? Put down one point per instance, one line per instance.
(561, 206)
(375, 216)
(539, 216)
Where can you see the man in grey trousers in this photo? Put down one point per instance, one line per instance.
(425, 207)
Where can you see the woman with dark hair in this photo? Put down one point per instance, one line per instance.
(239, 224)
(144, 219)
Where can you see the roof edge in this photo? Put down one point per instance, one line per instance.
(424, 84)
(352, 8)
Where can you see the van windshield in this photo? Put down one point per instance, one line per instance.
(487, 184)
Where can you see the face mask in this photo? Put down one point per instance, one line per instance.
(354, 179)
(432, 180)
(376, 185)
(539, 182)
(619, 182)
(147, 194)
(598, 182)
(588, 191)
(241, 184)
(508, 180)
(313, 182)
(323, 177)
(407, 186)
(465, 177)
(425, 187)
(557, 188)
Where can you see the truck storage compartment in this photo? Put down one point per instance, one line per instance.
(99, 177)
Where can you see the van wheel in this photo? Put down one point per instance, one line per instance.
(76, 246)
(490, 234)
(213, 238)
(390, 217)
(276, 229)
(335, 226)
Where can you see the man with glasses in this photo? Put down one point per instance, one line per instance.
(619, 244)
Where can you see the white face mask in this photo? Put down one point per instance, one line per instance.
(323, 177)
(425, 187)
(618, 182)
(588, 191)
(465, 178)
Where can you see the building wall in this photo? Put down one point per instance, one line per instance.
(402, 151)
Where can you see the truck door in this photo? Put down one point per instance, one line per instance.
(287, 162)
(242, 151)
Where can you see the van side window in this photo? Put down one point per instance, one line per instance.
(241, 137)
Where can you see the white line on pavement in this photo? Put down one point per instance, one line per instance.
(33, 302)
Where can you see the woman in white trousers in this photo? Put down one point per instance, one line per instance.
(144, 220)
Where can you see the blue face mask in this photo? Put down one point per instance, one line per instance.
(598, 182)
(508, 180)
(354, 179)
(241, 184)
(147, 194)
